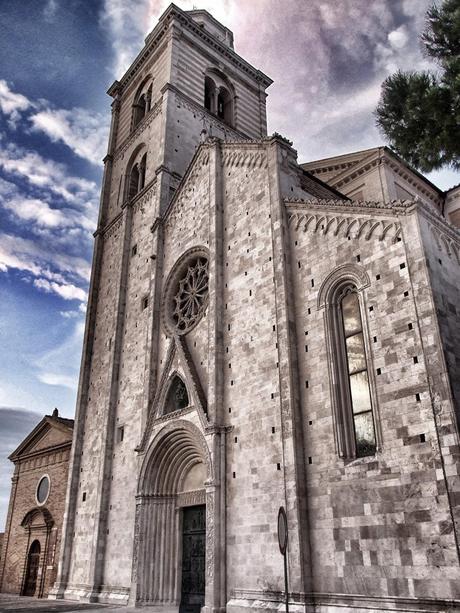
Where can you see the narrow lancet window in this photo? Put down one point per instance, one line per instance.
(357, 375)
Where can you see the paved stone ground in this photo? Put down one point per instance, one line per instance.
(10, 603)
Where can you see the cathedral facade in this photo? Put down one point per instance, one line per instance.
(261, 334)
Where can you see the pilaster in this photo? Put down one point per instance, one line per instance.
(279, 156)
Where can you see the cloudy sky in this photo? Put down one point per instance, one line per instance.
(58, 57)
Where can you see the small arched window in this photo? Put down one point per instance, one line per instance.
(136, 177)
(352, 387)
(142, 104)
(177, 396)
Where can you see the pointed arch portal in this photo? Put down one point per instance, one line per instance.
(177, 533)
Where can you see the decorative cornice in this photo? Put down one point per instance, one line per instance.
(257, 158)
(352, 227)
(353, 206)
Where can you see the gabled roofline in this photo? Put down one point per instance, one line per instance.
(47, 420)
(367, 153)
(158, 32)
(323, 184)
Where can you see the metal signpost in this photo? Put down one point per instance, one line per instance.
(282, 542)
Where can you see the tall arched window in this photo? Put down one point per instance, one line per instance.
(177, 396)
(352, 387)
(354, 373)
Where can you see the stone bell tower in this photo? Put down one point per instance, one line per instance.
(187, 84)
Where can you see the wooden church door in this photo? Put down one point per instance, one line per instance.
(193, 559)
(33, 561)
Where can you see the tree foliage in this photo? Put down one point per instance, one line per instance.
(419, 112)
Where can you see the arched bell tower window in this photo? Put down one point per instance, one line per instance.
(219, 96)
(209, 94)
(224, 105)
(142, 103)
(136, 176)
(352, 386)
(177, 396)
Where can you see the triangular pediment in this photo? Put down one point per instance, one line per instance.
(178, 364)
(328, 169)
(50, 432)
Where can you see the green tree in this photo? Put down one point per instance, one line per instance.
(419, 112)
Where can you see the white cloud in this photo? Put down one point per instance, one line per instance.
(398, 38)
(84, 132)
(50, 378)
(32, 257)
(67, 291)
(60, 365)
(48, 175)
(12, 104)
(38, 211)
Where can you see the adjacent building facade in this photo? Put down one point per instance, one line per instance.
(260, 334)
(29, 559)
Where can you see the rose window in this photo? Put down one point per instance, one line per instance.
(190, 299)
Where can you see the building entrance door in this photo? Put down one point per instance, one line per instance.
(33, 561)
(193, 559)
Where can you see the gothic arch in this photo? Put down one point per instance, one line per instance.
(179, 443)
(343, 274)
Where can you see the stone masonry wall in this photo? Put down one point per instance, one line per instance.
(379, 525)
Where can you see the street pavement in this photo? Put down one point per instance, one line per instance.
(10, 603)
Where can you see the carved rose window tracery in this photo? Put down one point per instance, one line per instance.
(190, 299)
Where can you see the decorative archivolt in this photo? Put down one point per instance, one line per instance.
(342, 274)
(174, 450)
(248, 159)
(353, 227)
(445, 243)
